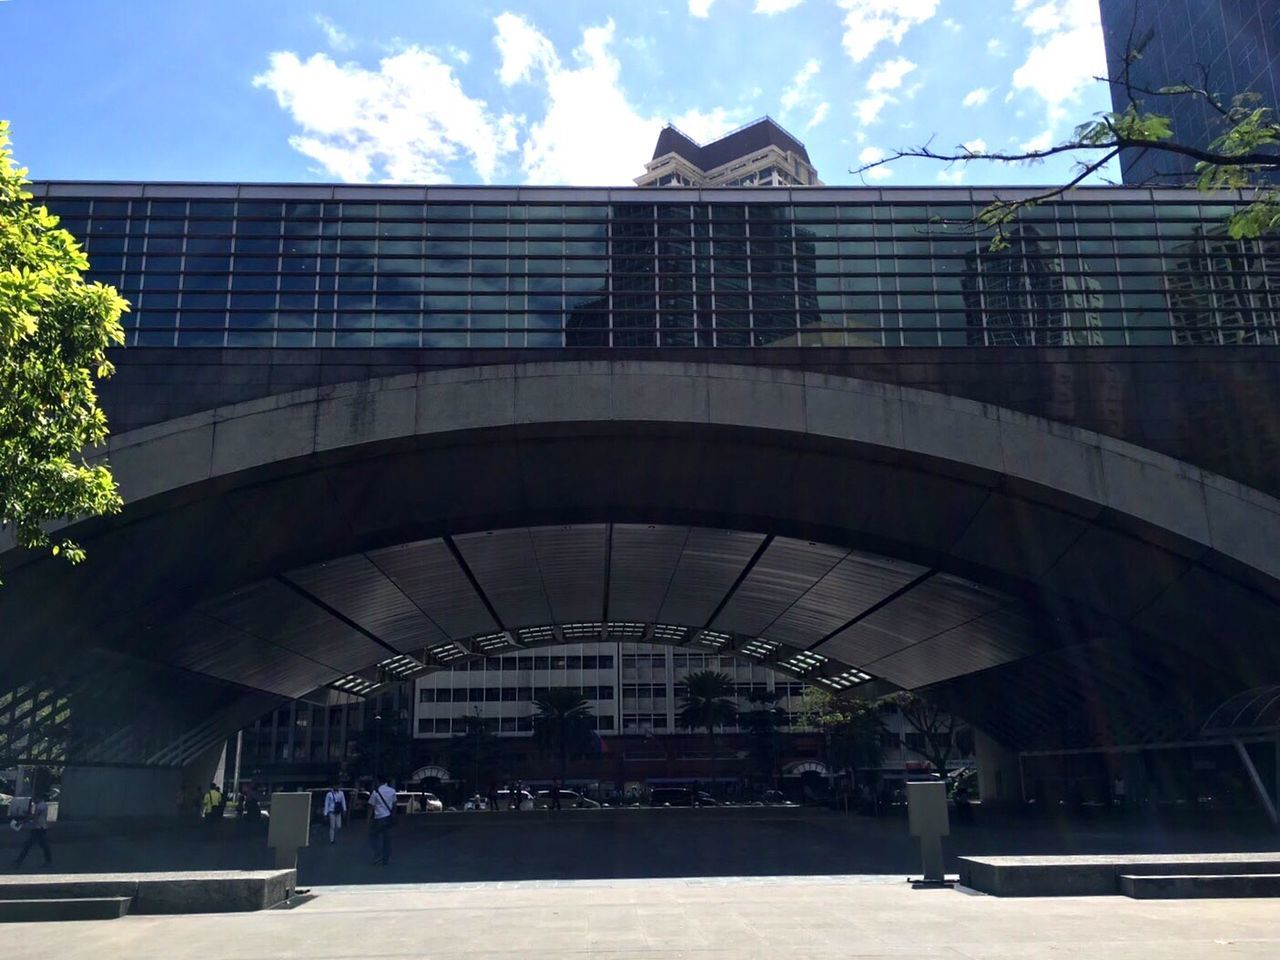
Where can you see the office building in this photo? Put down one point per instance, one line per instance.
(1233, 46)
(759, 154)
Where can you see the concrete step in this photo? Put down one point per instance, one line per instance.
(47, 910)
(1188, 886)
(1099, 875)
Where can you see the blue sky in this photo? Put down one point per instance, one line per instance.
(424, 91)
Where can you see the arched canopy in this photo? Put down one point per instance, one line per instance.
(292, 542)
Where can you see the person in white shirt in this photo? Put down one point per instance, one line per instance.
(36, 823)
(335, 808)
(382, 805)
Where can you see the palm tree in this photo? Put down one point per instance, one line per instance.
(563, 723)
(707, 702)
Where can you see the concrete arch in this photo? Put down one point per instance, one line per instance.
(1105, 537)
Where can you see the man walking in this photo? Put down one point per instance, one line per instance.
(382, 805)
(335, 808)
(36, 823)
(211, 806)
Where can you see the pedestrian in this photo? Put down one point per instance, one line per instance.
(211, 806)
(555, 794)
(335, 808)
(382, 804)
(492, 798)
(513, 799)
(36, 822)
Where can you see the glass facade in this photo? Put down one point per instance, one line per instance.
(1236, 41)
(847, 268)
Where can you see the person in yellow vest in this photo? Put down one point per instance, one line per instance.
(211, 806)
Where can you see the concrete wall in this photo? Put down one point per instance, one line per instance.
(1210, 406)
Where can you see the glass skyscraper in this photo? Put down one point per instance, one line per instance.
(1233, 45)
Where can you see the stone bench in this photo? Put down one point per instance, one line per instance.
(54, 910)
(212, 891)
(1200, 886)
(1092, 876)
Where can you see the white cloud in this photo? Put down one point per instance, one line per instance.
(700, 8)
(589, 132)
(708, 125)
(1068, 52)
(977, 145)
(995, 47)
(337, 38)
(868, 109)
(462, 56)
(952, 177)
(871, 155)
(952, 25)
(889, 75)
(522, 49)
(976, 98)
(869, 23)
(819, 114)
(406, 121)
(1041, 141)
(798, 91)
(771, 7)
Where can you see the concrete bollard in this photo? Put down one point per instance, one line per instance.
(928, 820)
(290, 827)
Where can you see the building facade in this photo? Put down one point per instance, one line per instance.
(1232, 46)
(455, 267)
(759, 154)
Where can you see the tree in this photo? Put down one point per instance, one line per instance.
(384, 747)
(1245, 151)
(475, 751)
(707, 702)
(54, 333)
(936, 727)
(763, 723)
(852, 729)
(563, 723)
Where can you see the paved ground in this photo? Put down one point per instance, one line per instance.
(622, 844)
(782, 918)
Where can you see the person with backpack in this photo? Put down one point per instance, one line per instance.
(212, 805)
(382, 808)
(335, 808)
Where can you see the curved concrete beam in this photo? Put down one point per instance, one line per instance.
(1048, 460)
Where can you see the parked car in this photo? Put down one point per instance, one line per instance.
(526, 800)
(475, 803)
(776, 798)
(681, 797)
(568, 799)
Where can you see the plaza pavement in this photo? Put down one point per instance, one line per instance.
(779, 918)
(622, 844)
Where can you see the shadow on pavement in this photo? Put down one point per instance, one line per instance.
(614, 844)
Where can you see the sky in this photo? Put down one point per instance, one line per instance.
(565, 92)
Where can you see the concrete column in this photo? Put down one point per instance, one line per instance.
(93, 793)
(999, 782)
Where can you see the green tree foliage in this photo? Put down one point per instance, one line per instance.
(54, 333)
(763, 723)
(852, 730)
(476, 753)
(936, 727)
(384, 746)
(1247, 145)
(706, 702)
(563, 724)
